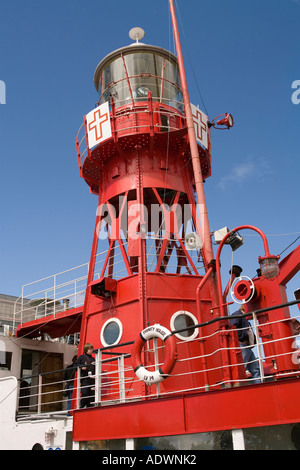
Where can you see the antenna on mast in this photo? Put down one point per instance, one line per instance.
(136, 34)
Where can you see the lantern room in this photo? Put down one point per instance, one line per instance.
(128, 74)
(140, 90)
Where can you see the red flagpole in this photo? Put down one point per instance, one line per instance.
(207, 249)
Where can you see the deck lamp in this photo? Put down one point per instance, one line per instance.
(227, 121)
(269, 266)
(234, 239)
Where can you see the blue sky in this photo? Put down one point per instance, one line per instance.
(242, 56)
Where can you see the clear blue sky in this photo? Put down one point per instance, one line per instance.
(243, 56)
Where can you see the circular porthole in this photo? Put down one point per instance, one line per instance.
(184, 319)
(111, 332)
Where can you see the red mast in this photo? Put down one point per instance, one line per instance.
(207, 249)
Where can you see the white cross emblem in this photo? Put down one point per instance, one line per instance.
(98, 125)
(200, 122)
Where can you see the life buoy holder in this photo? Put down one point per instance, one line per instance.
(242, 290)
(155, 331)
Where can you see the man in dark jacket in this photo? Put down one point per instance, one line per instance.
(69, 375)
(247, 341)
(86, 362)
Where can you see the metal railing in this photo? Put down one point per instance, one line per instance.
(113, 380)
(66, 290)
(61, 291)
(51, 295)
(168, 109)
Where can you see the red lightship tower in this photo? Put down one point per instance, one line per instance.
(168, 361)
(154, 309)
(139, 162)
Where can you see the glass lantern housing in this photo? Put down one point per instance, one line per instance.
(269, 266)
(129, 73)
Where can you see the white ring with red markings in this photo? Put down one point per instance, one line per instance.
(242, 290)
(155, 331)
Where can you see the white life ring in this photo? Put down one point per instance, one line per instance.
(155, 331)
(242, 290)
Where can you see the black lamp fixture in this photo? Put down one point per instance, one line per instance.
(234, 240)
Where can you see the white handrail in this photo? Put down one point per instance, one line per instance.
(120, 383)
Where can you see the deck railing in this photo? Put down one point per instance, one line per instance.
(65, 290)
(171, 109)
(114, 381)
